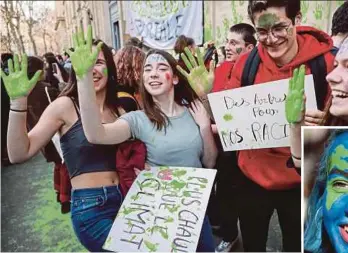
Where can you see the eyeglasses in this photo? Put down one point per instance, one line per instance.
(277, 32)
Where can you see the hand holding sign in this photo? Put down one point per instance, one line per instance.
(16, 82)
(294, 104)
(199, 78)
(83, 59)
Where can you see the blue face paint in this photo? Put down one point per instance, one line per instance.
(335, 207)
(336, 223)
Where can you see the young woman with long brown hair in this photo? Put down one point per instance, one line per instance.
(173, 125)
(96, 196)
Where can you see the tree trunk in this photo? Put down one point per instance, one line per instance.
(17, 26)
(30, 22)
(30, 34)
(8, 14)
(44, 40)
(9, 39)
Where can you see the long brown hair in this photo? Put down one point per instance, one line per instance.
(329, 119)
(183, 93)
(111, 99)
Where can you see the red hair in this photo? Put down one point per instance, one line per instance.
(129, 62)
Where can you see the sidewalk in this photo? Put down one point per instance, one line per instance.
(30, 216)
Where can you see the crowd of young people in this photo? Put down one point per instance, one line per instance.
(108, 98)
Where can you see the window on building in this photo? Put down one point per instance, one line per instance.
(116, 29)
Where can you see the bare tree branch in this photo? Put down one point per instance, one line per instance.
(30, 22)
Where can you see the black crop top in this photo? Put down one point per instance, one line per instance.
(80, 156)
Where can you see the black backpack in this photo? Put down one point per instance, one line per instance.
(317, 66)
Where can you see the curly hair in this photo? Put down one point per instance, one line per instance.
(129, 62)
(340, 20)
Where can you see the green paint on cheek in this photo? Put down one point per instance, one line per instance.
(337, 162)
(105, 71)
(239, 50)
(268, 20)
(331, 196)
(228, 117)
(290, 31)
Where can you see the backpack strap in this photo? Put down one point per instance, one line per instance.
(250, 68)
(319, 72)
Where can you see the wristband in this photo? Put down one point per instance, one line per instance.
(15, 110)
(297, 158)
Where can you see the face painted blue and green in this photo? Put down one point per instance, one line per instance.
(335, 208)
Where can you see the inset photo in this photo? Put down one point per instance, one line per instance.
(325, 184)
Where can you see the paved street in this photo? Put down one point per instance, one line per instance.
(31, 217)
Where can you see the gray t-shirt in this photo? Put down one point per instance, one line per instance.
(181, 145)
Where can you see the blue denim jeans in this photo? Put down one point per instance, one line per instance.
(93, 212)
(206, 240)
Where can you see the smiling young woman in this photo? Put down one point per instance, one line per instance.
(173, 125)
(96, 196)
(337, 106)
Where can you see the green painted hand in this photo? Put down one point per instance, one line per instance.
(304, 10)
(16, 82)
(294, 104)
(318, 12)
(199, 78)
(83, 58)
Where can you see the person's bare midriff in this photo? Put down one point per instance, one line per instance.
(95, 179)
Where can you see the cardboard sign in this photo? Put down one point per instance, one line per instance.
(253, 117)
(163, 211)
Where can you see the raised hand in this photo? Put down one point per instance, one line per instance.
(17, 83)
(199, 78)
(83, 58)
(295, 104)
(199, 114)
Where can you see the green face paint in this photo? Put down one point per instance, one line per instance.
(239, 50)
(228, 117)
(290, 31)
(338, 163)
(336, 192)
(105, 71)
(267, 20)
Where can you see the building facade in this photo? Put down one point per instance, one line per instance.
(103, 16)
(109, 21)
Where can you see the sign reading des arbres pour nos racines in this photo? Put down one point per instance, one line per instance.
(253, 117)
(161, 22)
